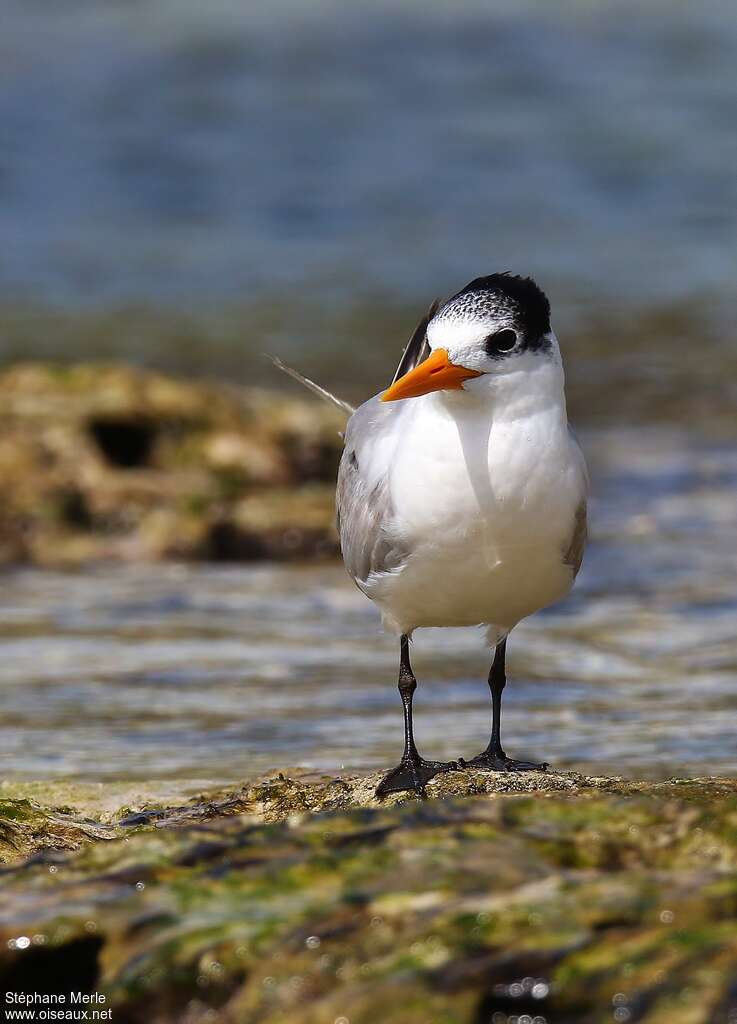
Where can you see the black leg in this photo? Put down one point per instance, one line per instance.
(412, 772)
(497, 682)
(407, 686)
(494, 756)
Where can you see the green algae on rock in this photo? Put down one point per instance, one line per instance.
(57, 815)
(113, 462)
(299, 900)
(26, 828)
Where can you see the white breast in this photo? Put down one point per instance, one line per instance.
(485, 495)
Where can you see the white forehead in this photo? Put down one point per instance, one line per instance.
(465, 341)
(461, 334)
(446, 333)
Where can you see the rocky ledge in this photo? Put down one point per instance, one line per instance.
(501, 899)
(111, 462)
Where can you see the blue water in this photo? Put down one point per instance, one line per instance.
(222, 154)
(221, 673)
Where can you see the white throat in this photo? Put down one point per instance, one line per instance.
(531, 385)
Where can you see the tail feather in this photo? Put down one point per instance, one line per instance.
(312, 386)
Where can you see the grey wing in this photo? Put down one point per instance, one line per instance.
(363, 502)
(417, 347)
(574, 553)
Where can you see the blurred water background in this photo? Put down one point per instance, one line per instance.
(220, 673)
(187, 185)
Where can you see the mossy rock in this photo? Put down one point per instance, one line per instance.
(299, 900)
(114, 462)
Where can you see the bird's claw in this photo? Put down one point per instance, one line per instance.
(502, 763)
(412, 774)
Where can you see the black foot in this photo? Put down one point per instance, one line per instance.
(413, 774)
(502, 763)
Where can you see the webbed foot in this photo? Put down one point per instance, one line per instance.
(412, 774)
(502, 763)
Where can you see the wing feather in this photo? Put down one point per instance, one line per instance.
(579, 535)
(311, 385)
(574, 555)
(363, 502)
(417, 347)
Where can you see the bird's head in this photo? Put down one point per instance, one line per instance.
(493, 326)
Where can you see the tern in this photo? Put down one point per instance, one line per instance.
(461, 494)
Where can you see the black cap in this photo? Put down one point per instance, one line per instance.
(517, 300)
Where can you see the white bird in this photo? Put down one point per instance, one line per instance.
(462, 492)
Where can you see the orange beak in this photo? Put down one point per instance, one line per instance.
(436, 373)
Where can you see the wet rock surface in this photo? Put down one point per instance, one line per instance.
(542, 897)
(117, 463)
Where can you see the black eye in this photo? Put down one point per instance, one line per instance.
(501, 341)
